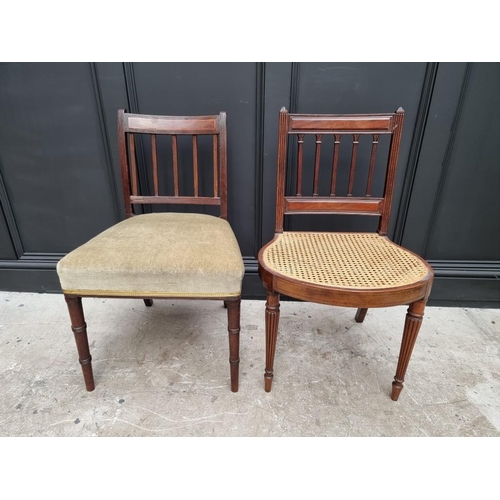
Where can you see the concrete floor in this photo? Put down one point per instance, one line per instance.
(164, 371)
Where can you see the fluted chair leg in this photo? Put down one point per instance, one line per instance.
(360, 315)
(413, 323)
(148, 302)
(233, 327)
(79, 328)
(272, 320)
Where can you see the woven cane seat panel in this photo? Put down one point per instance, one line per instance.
(343, 260)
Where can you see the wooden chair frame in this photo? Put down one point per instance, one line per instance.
(415, 294)
(128, 125)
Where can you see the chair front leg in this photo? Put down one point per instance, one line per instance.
(272, 320)
(413, 323)
(233, 327)
(79, 328)
(148, 302)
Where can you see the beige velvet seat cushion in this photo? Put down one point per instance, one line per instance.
(164, 254)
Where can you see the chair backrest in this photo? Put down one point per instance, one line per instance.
(213, 125)
(300, 125)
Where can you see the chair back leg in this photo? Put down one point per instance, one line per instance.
(360, 315)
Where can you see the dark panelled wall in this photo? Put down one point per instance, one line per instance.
(59, 171)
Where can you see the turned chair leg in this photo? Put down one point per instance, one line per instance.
(412, 326)
(79, 328)
(360, 315)
(272, 320)
(233, 327)
(148, 302)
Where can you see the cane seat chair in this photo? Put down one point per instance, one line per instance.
(361, 270)
(164, 254)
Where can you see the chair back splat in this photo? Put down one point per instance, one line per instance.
(322, 127)
(129, 125)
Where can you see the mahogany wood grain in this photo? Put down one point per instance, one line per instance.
(174, 200)
(345, 297)
(213, 125)
(360, 315)
(133, 164)
(300, 155)
(215, 163)
(195, 165)
(354, 155)
(272, 320)
(233, 317)
(371, 168)
(391, 172)
(280, 179)
(413, 323)
(352, 205)
(317, 156)
(122, 153)
(221, 121)
(332, 123)
(152, 124)
(175, 164)
(79, 328)
(335, 163)
(155, 164)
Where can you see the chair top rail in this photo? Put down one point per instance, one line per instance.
(156, 124)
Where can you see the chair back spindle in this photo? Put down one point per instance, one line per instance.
(354, 154)
(371, 168)
(195, 165)
(317, 156)
(155, 163)
(300, 144)
(335, 163)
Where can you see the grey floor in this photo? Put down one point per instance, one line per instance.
(163, 371)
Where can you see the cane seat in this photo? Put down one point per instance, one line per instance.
(343, 260)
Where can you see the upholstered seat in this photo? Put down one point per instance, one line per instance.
(343, 260)
(162, 254)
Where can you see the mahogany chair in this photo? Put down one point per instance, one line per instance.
(361, 270)
(161, 255)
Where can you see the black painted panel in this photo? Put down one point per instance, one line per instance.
(277, 93)
(473, 292)
(6, 247)
(31, 280)
(59, 162)
(203, 89)
(110, 77)
(467, 219)
(357, 88)
(426, 184)
(51, 155)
